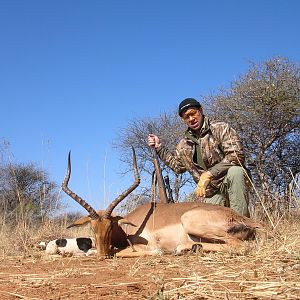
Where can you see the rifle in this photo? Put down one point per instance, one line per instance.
(160, 181)
(170, 192)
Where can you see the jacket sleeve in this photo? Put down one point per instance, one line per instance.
(172, 160)
(231, 146)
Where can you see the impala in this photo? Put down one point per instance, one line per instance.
(163, 227)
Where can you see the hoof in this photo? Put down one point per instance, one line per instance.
(197, 248)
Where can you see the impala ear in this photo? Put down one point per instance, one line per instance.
(125, 222)
(80, 221)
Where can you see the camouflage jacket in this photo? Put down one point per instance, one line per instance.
(216, 148)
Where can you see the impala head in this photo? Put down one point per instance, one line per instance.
(102, 228)
(101, 221)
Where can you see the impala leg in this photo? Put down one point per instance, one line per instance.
(207, 247)
(201, 228)
(140, 250)
(128, 254)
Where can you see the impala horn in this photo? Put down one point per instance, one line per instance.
(78, 199)
(137, 181)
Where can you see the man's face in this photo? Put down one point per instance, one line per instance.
(193, 118)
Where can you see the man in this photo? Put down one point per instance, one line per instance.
(212, 153)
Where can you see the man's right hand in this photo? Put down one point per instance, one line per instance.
(153, 141)
(205, 179)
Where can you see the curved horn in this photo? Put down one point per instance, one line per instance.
(78, 199)
(137, 180)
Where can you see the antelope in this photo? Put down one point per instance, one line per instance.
(154, 228)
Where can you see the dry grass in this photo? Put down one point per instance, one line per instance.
(269, 268)
(270, 271)
(22, 238)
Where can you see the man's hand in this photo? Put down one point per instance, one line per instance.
(153, 141)
(205, 179)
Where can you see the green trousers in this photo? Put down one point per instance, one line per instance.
(233, 192)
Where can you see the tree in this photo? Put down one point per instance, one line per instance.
(26, 192)
(170, 129)
(263, 106)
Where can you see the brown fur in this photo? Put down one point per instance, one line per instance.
(154, 227)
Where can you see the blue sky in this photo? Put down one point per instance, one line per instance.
(73, 73)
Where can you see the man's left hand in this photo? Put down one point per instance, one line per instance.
(205, 179)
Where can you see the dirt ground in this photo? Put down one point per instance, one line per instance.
(191, 276)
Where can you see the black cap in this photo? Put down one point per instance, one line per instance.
(187, 103)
